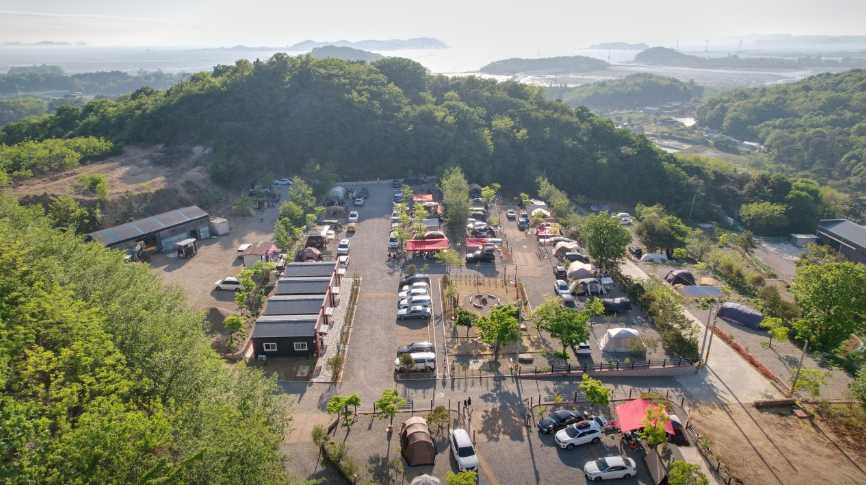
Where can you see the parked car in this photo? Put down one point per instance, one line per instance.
(363, 192)
(414, 313)
(343, 247)
(654, 258)
(408, 280)
(463, 450)
(610, 468)
(559, 272)
(557, 420)
(351, 228)
(421, 362)
(523, 222)
(560, 287)
(511, 214)
(412, 292)
(581, 433)
(393, 241)
(583, 350)
(398, 196)
(417, 284)
(572, 256)
(635, 251)
(416, 347)
(480, 256)
(229, 283)
(359, 201)
(283, 182)
(243, 247)
(416, 300)
(353, 216)
(616, 305)
(396, 183)
(343, 261)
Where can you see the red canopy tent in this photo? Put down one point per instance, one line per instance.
(426, 244)
(475, 242)
(418, 198)
(630, 416)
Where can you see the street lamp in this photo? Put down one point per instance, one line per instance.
(709, 294)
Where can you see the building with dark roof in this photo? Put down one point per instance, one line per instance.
(287, 335)
(310, 269)
(846, 237)
(302, 286)
(295, 304)
(157, 233)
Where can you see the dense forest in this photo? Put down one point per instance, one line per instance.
(545, 65)
(816, 126)
(634, 91)
(107, 377)
(663, 56)
(27, 80)
(297, 115)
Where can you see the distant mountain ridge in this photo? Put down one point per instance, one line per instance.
(620, 46)
(663, 56)
(545, 65)
(374, 44)
(344, 54)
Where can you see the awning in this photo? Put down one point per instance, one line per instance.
(630, 416)
(480, 242)
(426, 244)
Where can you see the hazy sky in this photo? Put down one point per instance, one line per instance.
(462, 23)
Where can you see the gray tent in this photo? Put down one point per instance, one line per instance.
(416, 444)
(579, 271)
(740, 314)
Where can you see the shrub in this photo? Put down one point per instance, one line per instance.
(233, 323)
(96, 184)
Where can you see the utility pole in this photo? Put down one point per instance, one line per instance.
(799, 367)
(706, 330)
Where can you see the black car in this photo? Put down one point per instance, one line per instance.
(616, 305)
(480, 257)
(560, 273)
(364, 192)
(396, 183)
(558, 420)
(573, 256)
(523, 222)
(635, 251)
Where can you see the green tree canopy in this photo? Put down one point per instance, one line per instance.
(659, 230)
(499, 327)
(605, 239)
(832, 297)
(684, 473)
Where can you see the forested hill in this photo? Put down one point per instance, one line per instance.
(545, 65)
(107, 377)
(344, 53)
(663, 56)
(817, 125)
(26, 80)
(634, 91)
(329, 118)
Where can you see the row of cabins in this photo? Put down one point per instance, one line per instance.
(299, 312)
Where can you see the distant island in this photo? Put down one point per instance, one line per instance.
(545, 65)
(375, 45)
(344, 54)
(620, 46)
(663, 56)
(634, 91)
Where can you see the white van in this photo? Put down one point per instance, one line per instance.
(416, 300)
(421, 362)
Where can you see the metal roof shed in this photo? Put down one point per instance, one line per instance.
(151, 226)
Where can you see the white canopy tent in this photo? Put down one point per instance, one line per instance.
(621, 340)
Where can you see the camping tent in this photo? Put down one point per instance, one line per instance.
(416, 444)
(680, 277)
(621, 340)
(563, 247)
(587, 286)
(740, 314)
(425, 480)
(426, 244)
(630, 416)
(539, 211)
(579, 271)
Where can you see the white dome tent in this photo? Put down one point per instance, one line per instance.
(579, 271)
(621, 340)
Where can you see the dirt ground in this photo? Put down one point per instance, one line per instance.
(781, 448)
(138, 169)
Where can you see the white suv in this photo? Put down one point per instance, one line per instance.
(581, 433)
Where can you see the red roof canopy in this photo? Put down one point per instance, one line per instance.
(426, 244)
(630, 416)
(422, 198)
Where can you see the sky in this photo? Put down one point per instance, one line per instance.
(460, 23)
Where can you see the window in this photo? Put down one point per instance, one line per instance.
(269, 347)
(300, 346)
